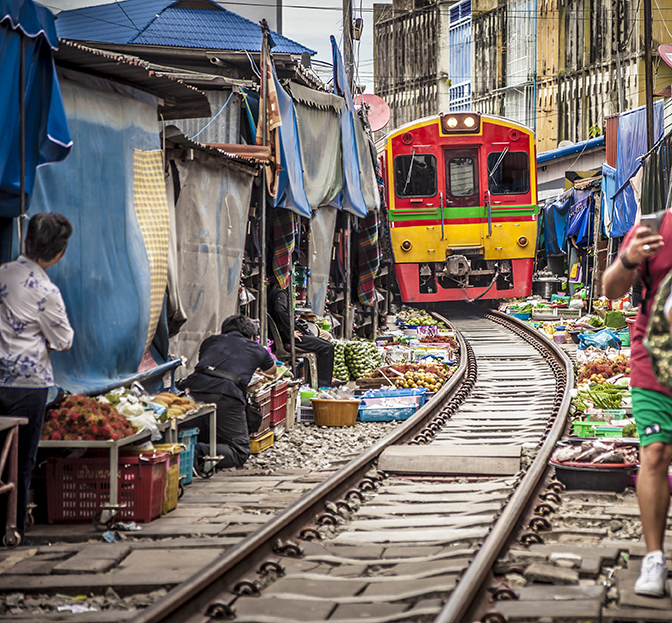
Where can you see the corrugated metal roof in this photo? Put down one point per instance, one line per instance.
(161, 22)
(179, 100)
(118, 22)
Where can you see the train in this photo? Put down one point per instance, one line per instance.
(462, 213)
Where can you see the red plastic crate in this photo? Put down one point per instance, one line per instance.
(279, 403)
(78, 488)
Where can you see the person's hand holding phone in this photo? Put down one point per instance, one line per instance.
(647, 241)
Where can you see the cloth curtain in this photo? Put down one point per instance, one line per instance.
(284, 225)
(352, 197)
(320, 248)
(317, 119)
(111, 263)
(211, 215)
(368, 258)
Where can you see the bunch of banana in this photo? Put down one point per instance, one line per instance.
(175, 405)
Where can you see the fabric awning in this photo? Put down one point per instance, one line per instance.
(47, 136)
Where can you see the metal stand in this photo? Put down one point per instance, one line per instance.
(9, 457)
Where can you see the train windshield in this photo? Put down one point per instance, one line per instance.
(415, 175)
(509, 172)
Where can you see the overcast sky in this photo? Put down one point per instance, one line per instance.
(309, 22)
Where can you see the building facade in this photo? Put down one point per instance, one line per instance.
(553, 66)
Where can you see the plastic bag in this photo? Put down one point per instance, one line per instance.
(602, 339)
(148, 421)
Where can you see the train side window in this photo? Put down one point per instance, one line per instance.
(461, 176)
(415, 175)
(509, 172)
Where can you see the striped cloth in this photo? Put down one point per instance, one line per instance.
(285, 223)
(151, 207)
(369, 258)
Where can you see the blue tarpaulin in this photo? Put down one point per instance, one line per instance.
(352, 198)
(47, 136)
(579, 222)
(291, 191)
(632, 145)
(555, 225)
(105, 276)
(608, 190)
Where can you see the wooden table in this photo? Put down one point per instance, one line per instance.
(170, 430)
(9, 457)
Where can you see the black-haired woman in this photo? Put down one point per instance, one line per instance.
(233, 351)
(33, 322)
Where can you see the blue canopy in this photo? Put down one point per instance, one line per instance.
(555, 225)
(291, 190)
(352, 198)
(632, 145)
(47, 136)
(608, 190)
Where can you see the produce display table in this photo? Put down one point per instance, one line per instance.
(170, 428)
(9, 455)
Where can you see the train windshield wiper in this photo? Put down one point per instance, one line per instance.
(410, 170)
(499, 161)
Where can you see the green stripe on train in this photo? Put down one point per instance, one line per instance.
(462, 213)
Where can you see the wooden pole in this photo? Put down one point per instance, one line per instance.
(22, 144)
(263, 325)
(648, 73)
(347, 59)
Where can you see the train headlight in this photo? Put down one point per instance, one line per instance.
(406, 245)
(461, 122)
(522, 241)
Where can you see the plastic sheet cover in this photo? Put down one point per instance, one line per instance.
(211, 222)
(579, 222)
(47, 135)
(291, 192)
(105, 275)
(317, 116)
(608, 189)
(555, 224)
(626, 206)
(632, 145)
(319, 256)
(352, 197)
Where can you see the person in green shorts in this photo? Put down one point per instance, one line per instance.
(641, 256)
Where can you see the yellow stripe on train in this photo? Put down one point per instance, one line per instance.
(418, 244)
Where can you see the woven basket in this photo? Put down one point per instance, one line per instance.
(335, 412)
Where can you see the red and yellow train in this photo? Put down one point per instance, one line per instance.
(461, 207)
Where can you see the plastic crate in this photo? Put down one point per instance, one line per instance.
(171, 484)
(263, 397)
(188, 438)
(278, 395)
(305, 415)
(612, 414)
(278, 429)
(78, 488)
(631, 321)
(279, 403)
(262, 443)
(292, 407)
(264, 427)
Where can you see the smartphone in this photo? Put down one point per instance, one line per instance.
(651, 221)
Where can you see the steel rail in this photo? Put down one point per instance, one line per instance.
(466, 591)
(190, 600)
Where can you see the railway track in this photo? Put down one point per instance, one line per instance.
(453, 516)
(400, 533)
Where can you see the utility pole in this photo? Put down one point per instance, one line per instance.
(648, 76)
(347, 255)
(262, 197)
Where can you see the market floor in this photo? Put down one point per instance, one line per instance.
(213, 515)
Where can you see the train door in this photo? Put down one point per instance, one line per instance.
(462, 206)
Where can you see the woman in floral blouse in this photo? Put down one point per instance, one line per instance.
(33, 321)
